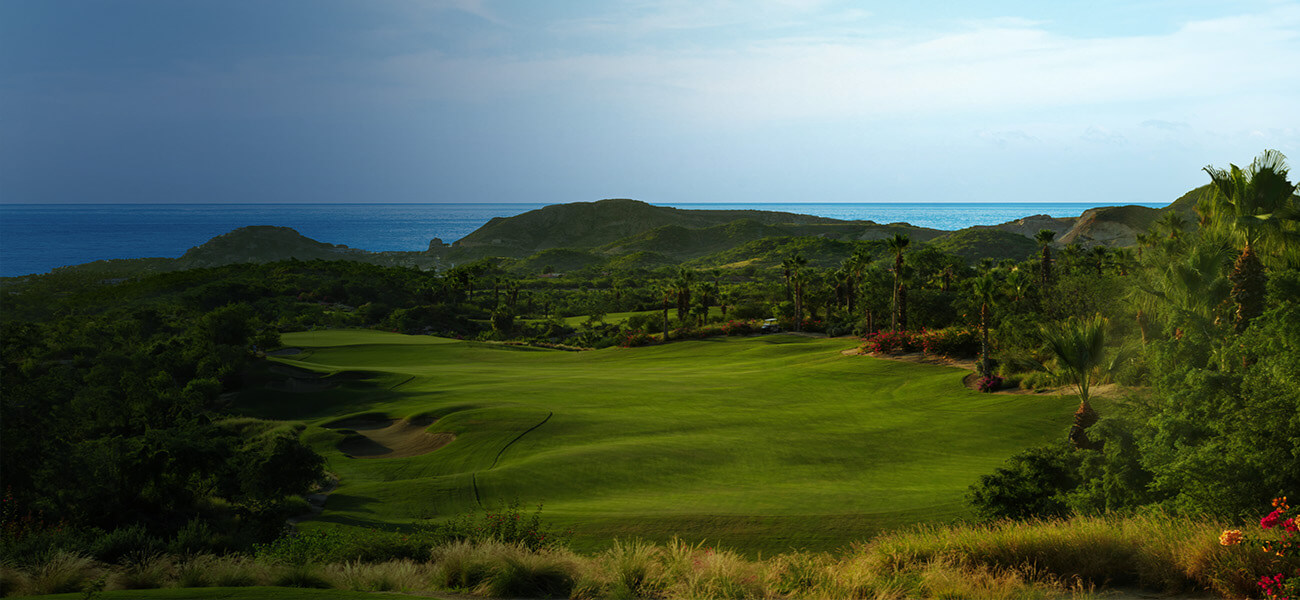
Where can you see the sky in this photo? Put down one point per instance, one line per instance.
(671, 102)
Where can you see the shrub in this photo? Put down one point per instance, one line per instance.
(507, 525)
(300, 576)
(391, 576)
(120, 543)
(530, 575)
(955, 342)
(464, 564)
(61, 573)
(892, 342)
(1033, 483)
(631, 566)
(144, 573)
(989, 383)
(636, 339)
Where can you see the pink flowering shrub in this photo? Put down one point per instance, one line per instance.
(1283, 542)
(892, 342)
(990, 383)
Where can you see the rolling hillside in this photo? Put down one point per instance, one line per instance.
(762, 443)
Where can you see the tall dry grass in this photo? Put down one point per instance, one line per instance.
(1003, 561)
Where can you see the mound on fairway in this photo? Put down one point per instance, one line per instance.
(389, 438)
(758, 443)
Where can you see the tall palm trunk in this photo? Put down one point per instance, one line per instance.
(1045, 265)
(984, 339)
(902, 307)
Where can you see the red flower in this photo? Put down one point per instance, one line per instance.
(1271, 520)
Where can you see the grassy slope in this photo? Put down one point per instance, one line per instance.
(760, 443)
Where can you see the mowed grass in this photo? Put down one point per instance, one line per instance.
(759, 443)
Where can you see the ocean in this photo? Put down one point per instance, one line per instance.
(35, 238)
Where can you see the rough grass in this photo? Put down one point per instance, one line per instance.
(762, 444)
(1078, 557)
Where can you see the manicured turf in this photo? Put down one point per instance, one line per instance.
(760, 443)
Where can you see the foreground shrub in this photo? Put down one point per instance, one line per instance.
(891, 342)
(522, 574)
(393, 576)
(694, 571)
(61, 573)
(1278, 538)
(954, 342)
(629, 569)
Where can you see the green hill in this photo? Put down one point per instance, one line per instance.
(594, 224)
(976, 243)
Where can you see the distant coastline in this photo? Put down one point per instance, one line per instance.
(35, 238)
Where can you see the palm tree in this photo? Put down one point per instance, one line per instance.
(1079, 347)
(985, 288)
(1018, 284)
(669, 293)
(685, 277)
(1190, 289)
(898, 244)
(1044, 238)
(708, 292)
(1098, 255)
(1173, 224)
(724, 301)
(1258, 207)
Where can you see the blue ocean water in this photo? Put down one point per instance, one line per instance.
(35, 238)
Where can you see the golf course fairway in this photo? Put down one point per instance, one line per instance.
(761, 444)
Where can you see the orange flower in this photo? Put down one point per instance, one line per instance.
(1230, 537)
(1280, 503)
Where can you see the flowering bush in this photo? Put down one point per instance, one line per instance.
(892, 342)
(1282, 542)
(634, 339)
(991, 383)
(956, 342)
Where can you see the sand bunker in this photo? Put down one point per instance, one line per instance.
(390, 438)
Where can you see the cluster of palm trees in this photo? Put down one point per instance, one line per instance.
(1252, 212)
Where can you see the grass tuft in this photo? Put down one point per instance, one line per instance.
(524, 574)
(143, 573)
(63, 572)
(393, 576)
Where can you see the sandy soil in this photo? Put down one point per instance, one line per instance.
(390, 438)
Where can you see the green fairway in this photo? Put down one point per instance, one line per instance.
(760, 443)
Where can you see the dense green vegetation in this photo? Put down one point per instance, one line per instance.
(157, 406)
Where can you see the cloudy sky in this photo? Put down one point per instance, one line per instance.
(673, 101)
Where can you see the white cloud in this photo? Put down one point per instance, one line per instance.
(990, 67)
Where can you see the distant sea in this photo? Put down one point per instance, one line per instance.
(35, 238)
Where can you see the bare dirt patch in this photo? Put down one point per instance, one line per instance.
(390, 438)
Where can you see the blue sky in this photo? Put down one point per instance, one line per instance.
(669, 102)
